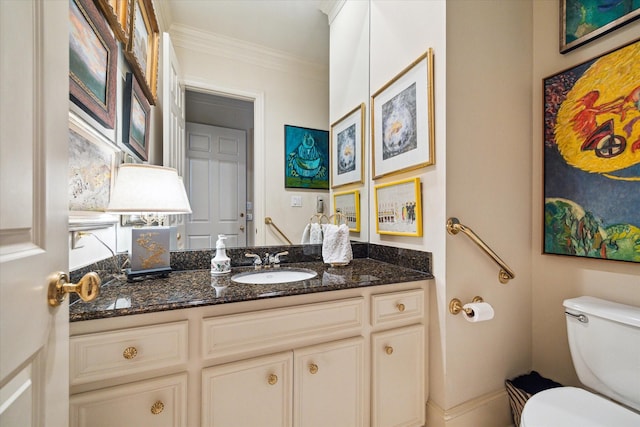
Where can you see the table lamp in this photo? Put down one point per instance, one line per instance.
(152, 192)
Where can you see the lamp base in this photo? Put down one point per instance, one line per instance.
(133, 275)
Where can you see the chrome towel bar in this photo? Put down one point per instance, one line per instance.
(454, 227)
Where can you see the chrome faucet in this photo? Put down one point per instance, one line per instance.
(270, 260)
(257, 262)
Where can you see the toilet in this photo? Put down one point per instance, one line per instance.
(604, 340)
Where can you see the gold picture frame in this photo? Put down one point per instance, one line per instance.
(347, 148)
(402, 120)
(347, 204)
(117, 13)
(399, 208)
(142, 47)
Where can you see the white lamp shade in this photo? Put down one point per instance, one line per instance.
(142, 188)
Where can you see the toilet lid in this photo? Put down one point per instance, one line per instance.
(571, 406)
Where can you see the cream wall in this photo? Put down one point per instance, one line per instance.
(349, 85)
(555, 278)
(294, 93)
(482, 174)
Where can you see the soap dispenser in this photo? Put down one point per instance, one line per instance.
(221, 264)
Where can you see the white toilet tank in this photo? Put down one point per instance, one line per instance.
(604, 339)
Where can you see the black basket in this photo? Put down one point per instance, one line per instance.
(520, 389)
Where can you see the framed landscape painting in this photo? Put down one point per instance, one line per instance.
(135, 118)
(306, 158)
(142, 48)
(581, 21)
(93, 59)
(592, 158)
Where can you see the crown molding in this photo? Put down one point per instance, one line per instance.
(214, 44)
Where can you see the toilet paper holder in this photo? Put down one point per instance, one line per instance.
(455, 306)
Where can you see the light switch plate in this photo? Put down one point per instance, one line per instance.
(296, 201)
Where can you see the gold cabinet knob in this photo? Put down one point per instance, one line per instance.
(400, 307)
(157, 407)
(388, 349)
(313, 368)
(273, 378)
(87, 288)
(129, 353)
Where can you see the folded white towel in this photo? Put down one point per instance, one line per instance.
(336, 247)
(316, 234)
(306, 235)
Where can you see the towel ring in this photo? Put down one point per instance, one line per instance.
(339, 217)
(318, 218)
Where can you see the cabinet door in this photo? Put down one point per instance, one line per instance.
(159, 402)
(253, 392)
(329, 385)
(398, 381)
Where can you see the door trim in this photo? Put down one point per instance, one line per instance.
(259, 169)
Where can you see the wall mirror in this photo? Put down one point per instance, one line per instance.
(301, 30)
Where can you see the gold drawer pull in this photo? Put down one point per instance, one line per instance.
(388, 349)
(313, 368)
(157, 407)
(130, 353)
(401, 307)
(273, 378)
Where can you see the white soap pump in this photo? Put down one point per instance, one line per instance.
(220, 264)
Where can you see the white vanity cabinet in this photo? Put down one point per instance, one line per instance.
(398, 358)
(353, 358)
(321, 386)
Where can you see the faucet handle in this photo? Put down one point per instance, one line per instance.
(276, 257)
(257, 262)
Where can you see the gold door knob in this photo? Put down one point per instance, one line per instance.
(313, 368)
(242, 228)
(157, 407)
(273, 378)
(87, 288)
(388, 349)
(401, 307)
(129, 353)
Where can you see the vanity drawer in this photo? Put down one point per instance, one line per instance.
(158, 402)
(104, 355)
(397, 307)
(285, 328)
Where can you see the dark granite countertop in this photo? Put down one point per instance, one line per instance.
(194, 288)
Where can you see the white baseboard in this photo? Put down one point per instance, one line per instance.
(488, 410)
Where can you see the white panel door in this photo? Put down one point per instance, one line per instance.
(173, 121)
(34, 338)
(216, 185)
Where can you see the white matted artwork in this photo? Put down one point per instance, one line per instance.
(399, 208)
(348, 205)
(402, 117)
(347, 148)
(92, 163)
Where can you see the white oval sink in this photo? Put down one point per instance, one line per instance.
(278, 275)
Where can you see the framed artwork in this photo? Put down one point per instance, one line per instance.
(399, 208)
(402, 118)
(348, 204)
(306, 158)
(117, 13)
(92, 165)
(93, 56)
(582, 21)
(135, 118)
(347, 148)
(592, 158)
(143, 45)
